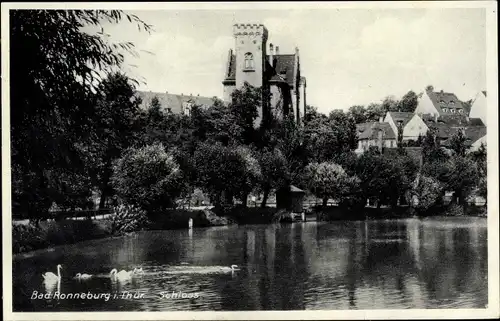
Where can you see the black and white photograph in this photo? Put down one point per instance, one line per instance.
(238, 160)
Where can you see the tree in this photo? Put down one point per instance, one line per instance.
(358, 113)
(245, 105)
(457, 143)
(431, 148)
(217, 124)
(274, 172)
(480, 158)
(426, 193)
(114, 129)
(408, 102)
(374, 112)
(461, 177)
(389, 104)
(327, 137)
(383, 177)
(222, 172)
(53, 76)
(252, 173)
(148, 177)
(327, 180)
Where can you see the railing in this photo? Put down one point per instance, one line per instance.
(81, 214)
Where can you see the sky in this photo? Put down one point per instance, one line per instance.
(348, 56)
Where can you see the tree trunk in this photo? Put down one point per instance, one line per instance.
(102, 201)
(264, 198)
(244, 200)
(325, 201)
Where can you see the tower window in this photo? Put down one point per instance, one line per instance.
(249, 64)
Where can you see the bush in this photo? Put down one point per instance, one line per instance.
(128, 218)
(454, 210)
(27, 238)
(426, 193)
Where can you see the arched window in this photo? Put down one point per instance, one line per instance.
(249, 61)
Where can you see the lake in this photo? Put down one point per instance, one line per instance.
(392, 264)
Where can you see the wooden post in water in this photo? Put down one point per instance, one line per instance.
(303, 216)
(190, 223)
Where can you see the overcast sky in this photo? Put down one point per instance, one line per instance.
(349, 56)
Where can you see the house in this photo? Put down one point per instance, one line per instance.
(478, 108)
(177, 104)
(396, 119)
(445, 126)
(439, 103)
(378, 134)
(478, 142)
(253, 62)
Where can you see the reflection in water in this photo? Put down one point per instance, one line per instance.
(393, 264)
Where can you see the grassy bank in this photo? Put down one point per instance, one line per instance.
(27, 238)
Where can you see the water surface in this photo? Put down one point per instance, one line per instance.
(393, 264)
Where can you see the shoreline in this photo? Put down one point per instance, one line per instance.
(104, 237)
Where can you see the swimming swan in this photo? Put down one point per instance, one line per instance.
(50, 277)
(122, 275)
(83, 276)
(138, 271)
(233, 268)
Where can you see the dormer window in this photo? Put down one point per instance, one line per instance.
(460, 111)
(249, 65)
(445, 110)
(442, 102)
(452, 102)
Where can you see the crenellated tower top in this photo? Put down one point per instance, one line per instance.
(250, 29)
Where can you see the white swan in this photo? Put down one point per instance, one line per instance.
(83, 276)
(121, 276)
(138, 271)
(233, 268)
(50, 277)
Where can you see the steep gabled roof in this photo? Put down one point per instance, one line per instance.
(172, 101)
(472, 134)
(368, 131)
(452, 120)
(446, 100)
(401, 116)
(283, 67)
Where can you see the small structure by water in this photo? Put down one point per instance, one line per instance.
(292, 200)
(297, 199)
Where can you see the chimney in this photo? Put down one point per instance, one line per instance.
(277, 50)
(271, 49)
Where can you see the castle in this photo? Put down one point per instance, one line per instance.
(278, 74)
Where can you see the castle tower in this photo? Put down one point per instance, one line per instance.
(250, 52)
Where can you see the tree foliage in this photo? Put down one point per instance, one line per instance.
(148, 177)
(55, 72)
(328, 180)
